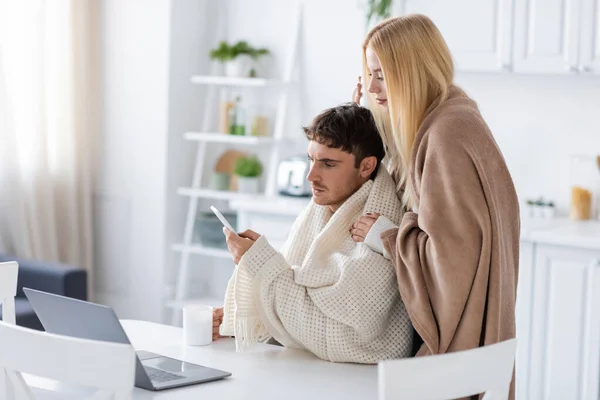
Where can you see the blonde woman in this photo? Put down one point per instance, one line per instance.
(456, 249)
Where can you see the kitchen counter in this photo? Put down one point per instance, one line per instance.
(562, 232)
(278, 205)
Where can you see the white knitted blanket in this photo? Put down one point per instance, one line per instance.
(323, 292)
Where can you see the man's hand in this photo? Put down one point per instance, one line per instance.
(362, 227)
(239, 245)
(217, 321)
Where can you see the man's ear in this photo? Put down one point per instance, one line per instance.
(367, 166)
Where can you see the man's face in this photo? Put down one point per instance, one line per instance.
(333, 175)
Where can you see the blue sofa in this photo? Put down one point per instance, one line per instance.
(50, 277)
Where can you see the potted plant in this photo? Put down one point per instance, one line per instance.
(238, 58)
(248, 171)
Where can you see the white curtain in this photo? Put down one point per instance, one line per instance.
(48, 110)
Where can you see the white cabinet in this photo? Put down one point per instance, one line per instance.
(590, 37)
(547, 36)
(564, 328)
(478, 32)
(557, 36)
(272, 217)
(523, 317)
(275, 228)
(528, 36)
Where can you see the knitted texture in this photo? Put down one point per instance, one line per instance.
(324, 292)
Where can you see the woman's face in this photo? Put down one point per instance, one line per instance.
(376, 81)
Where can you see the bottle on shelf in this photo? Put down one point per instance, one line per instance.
(226, 107)
(237, 118)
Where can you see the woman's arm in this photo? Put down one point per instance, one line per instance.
(442, 255)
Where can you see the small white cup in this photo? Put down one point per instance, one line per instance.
(197, 325)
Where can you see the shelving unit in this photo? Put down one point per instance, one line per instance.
(213, 137)
(215, 194)
(236, 81)
(207, 137)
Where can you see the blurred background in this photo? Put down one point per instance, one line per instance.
(121, 122)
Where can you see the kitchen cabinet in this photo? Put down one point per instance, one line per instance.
(562, 338)
(275, 228)
(590, 37)
(557, 36)
(523, 317)
(478, 32)
(272, 218)
(525, 36)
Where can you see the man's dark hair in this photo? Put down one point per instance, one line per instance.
(348, 127)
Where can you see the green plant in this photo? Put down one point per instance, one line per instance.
(248, 167)
(223, 52)
(242, 47)
(379, 10)
(226, 52)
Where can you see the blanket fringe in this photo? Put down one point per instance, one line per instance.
(249, 331)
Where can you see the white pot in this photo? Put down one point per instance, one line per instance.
(238, 67)
(248, 185)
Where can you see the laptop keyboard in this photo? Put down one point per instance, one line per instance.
(160, 376)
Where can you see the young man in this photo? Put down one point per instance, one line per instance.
(324, 292)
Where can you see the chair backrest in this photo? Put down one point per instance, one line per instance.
(108, 367)
(9, 272)
(486, 369)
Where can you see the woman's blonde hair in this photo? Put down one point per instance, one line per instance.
(418, 71)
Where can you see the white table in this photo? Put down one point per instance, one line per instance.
(263, 372)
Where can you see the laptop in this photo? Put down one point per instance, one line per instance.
(81, 319)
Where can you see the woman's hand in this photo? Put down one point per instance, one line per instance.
(239, 245)
(361, 228)
(357, 93)
(217, 321)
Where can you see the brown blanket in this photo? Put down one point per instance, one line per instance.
(457, 259)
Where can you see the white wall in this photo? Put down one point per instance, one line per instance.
(149, 51)
(130, 195)
(194, 30)
(537, 120)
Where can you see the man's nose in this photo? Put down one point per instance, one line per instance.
(312, 174)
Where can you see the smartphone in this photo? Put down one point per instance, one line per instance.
(222, 219)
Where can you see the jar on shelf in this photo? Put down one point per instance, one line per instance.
(540, 208)
(585, 187)
(261, 120)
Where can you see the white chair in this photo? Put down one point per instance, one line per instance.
(8, 289)
(486, 369)
(108, 367)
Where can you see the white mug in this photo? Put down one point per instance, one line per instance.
(197, 325)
